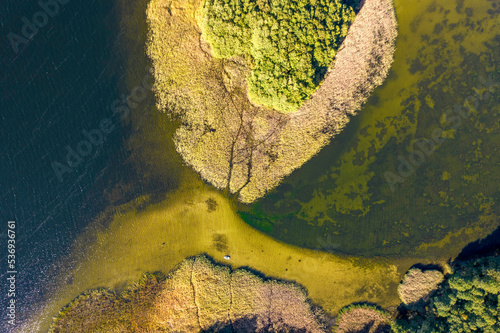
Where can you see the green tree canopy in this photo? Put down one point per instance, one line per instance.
(467, 302)
(289, 44)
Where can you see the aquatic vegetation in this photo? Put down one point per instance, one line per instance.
(446, 201)
(197, 296)
(233, 144)
(468, 301)
(290, 44)
(103, 310)
(417, 285)
(361, 318)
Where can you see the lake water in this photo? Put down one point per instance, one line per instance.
(61, 82)
(66, 79)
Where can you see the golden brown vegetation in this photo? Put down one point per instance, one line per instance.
(363, 319)
(234, 144)
(197, 296)
(418, 285)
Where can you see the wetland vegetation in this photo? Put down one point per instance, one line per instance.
(149, 236)
(198, 296)
(289, 44)
(235, 145)
(344, 236)
(445, 79)
(468, 301)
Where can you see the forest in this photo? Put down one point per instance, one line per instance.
(288, 44)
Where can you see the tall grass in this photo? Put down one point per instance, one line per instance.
(199, 295)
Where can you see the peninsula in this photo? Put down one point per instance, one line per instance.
(254, 105)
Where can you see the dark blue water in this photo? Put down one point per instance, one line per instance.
(60, 82)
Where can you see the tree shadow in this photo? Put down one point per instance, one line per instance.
(488, 246)
(428, 267)
(249, 325)
(370, 328)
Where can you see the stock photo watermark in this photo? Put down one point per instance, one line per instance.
(326, 244)
(424, 148)
(97, 136)
(10, 310)
(30, 27)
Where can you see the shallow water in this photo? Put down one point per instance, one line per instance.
(116, 251)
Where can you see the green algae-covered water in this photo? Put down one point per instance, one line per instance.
(417, 171)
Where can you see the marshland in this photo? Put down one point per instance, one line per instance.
(355, 175)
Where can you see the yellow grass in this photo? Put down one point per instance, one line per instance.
(197, 296)
(234, 144)
(418, 285)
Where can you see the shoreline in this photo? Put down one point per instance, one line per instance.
(112, 254)
(197, 295)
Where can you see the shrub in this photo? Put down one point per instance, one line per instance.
(288, 44)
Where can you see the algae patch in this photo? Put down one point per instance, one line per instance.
(343, 192)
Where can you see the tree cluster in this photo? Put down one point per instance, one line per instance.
(467, 302)
(289, 44)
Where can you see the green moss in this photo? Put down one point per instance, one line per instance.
(289, 44)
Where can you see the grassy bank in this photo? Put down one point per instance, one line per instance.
(198, 296)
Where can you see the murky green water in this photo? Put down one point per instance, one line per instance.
(380, 188)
